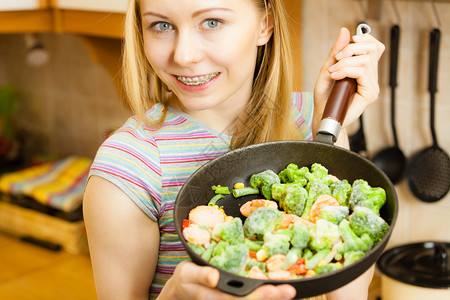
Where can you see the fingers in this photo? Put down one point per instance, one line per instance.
(341, 42)
(194, 274)
(280, 292)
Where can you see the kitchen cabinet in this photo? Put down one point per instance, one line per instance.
(116, 6)
(101, 18)
(25, 16)
(11, 5)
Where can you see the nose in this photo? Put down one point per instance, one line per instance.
(187, 49)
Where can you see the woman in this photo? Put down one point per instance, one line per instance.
(202, 77)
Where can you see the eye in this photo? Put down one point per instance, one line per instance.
(161, 26)
(211, 23)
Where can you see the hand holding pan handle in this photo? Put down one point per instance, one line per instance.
(338, 103)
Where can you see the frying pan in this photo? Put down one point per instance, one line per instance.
(238, 166)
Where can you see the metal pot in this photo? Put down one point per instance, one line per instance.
(416, 271)
(239, 165)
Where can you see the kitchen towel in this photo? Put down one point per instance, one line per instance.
(58, 184)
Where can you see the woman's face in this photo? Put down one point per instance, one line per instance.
(204, 50)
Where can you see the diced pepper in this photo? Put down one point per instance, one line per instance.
(185, 224)
(298, 268)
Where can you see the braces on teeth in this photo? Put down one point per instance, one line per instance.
(197, 80)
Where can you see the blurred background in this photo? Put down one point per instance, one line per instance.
(60, 96)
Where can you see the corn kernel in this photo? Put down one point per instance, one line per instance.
(239, 185)
(321, 263)
(261, 255)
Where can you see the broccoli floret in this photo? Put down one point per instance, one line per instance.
(341, 190)
(264, 181)
(231, 232)
(300, 235)
(292, 174)
(364, 221)
(275, 244)
(315, 189)
(318, 174)
(307, 254)
(323, 234)
(262, 220)
(352, 256)
(286, 232)
(351, 241)
(209, 251)
(197, 248)
(233, 259)
(253, 245)
(291, 196)
(220, 248)
(334, 214)
(328, 268)
(291, 257)
(365, 195)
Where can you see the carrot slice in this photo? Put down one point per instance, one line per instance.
(321, 202)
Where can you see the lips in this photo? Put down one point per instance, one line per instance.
(197, 80)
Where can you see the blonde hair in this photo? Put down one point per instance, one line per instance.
(267, 116)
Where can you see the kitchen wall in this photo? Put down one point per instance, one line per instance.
(417, 221)
(65, 106)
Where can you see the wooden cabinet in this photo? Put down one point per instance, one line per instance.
(13, 5)
(100, 18)
(114, 6)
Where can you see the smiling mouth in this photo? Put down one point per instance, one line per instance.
(198, 80)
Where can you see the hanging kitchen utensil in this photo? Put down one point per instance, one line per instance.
(429, 171)
(358, 139)
(238, 165)
(392, 160)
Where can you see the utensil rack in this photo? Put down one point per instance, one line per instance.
(374, 6)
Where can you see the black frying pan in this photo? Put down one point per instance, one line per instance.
(238, 166)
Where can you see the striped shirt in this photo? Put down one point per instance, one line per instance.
(150, 164)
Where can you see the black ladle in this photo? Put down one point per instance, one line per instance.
(391, 160)
(358, 139)
(429, 171)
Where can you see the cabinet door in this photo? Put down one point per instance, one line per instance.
(10, 5)
(116, 6)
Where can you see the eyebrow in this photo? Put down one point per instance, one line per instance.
(199, 12)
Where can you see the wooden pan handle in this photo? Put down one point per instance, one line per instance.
(339, 100)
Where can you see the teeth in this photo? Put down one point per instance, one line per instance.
(197, 80)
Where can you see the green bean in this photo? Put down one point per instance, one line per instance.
(221, 190)
(214, 199)
(245, 191)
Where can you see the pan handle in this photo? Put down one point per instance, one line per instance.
(339, 100)
(236, 286)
